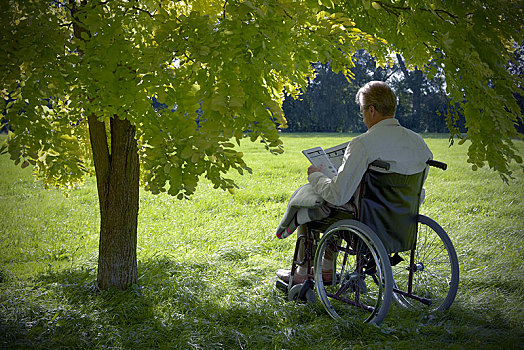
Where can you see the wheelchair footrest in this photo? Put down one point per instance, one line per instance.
(283, 286)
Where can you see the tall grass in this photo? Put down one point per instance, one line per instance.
(206, 265)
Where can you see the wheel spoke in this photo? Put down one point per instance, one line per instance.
(356, 296)
(437, 277)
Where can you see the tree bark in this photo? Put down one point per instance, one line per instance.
(117, 175)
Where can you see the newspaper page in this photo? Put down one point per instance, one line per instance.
(336, 154)
(330, 159)
(317, 156)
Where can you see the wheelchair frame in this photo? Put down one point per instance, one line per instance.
(414, 280)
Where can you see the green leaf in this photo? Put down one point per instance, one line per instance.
(187, 152)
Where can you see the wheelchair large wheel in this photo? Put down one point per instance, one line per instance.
(358, 287)
(431, 281)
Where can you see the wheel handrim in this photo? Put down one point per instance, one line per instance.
(356, 296)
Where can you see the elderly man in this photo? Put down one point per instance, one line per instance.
(386, 139)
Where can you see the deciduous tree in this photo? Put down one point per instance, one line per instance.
(80, 76)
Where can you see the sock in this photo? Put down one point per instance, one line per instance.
(301, 270)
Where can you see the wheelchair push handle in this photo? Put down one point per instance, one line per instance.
(437, 164)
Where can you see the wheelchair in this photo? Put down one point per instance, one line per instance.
(359, 261)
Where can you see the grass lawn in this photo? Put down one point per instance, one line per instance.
(206, 265)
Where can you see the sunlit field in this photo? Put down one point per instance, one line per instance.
(206, 265)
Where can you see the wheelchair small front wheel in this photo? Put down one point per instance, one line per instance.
(358, 284)
(303, 292)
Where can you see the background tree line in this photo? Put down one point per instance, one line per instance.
(328, 103)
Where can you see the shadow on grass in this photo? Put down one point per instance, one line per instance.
(176, 306)
(460, 327)
(214, 305)
(491, 328)
(64, 310)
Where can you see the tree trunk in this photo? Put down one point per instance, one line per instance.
(416, 86)
(414, 80)
(117, 175)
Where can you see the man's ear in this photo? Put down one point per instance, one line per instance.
(372, 111)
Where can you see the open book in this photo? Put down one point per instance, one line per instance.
(330, 159)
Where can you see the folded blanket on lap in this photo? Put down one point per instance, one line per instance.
(304, 206)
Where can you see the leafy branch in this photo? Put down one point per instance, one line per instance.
(143, 11)
(396, 10)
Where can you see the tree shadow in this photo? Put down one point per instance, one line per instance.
(489, 327)
(198, 305)
(177, 305)
(467, 324)
(64, 309)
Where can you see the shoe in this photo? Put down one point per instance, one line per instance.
(327, 276)
(284, 275)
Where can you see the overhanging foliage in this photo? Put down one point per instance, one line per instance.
(221, 67)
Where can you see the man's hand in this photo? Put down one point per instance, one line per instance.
(313, 169)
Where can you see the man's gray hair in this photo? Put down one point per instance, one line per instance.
(378, 94)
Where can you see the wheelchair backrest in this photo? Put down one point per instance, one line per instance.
(389, 203)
